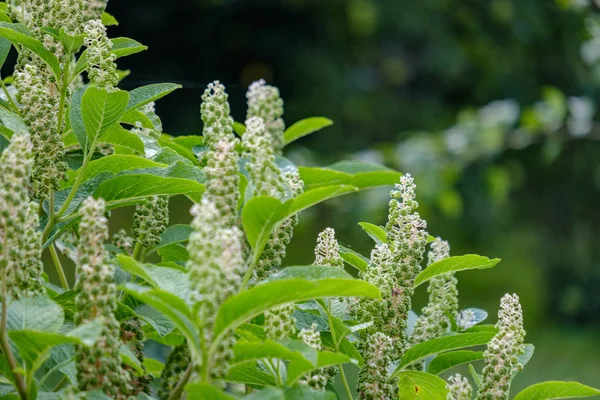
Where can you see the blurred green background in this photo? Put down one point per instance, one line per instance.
(489, 103)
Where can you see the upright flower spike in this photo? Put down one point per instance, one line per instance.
(102, 70)
(407, 237)
(442, 307)
(316, 379)
(279, 322)
(276, 247)
(264, 102)
(93, 9)
(373, 381)
(98, 366)
(20, 266)
(327, 251)
(132, 336)
(222, 178)
(39, 110)
(215, 262)
(265, 177)
(501, 356)
(459, 388)
(123, 241)
(175, 367)
(150, 220)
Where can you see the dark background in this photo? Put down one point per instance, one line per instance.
(394, 74)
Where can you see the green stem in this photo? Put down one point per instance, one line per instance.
(63, 94)
(8, 96)
(248, 273)
(143, 255)
(59, 269)
(176, 394)
(7, 351)
(337, 349)
(137, 249)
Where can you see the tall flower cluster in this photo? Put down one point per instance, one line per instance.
(150, 220)
(279, 322)
(39, 104)
(459, 388)
(501, 356)
(442, 307)
(407, 237)
(132, 336)
(264, 102)
(327, 251)
(222, 178)
(102, 70)
(175, 367)
(316, 379)
(266, 179)
(20, 241)
(98, 366)
(373, 381)
(93, 9)
(215, 261)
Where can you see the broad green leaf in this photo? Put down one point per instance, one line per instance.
(375, 232)
(455, 264)
(416, 385)
(444, 343)
(296, 393)
(153, 367)
(118, 136)
(245, 351)
(189, 142)
(239, 128)
(166, 142)
(124, 47)
(101, 109)
(161, 324)
(72, 44)
(250, 374)
(205, 391)
(5, 46)
(470, 317)
(354, 258)
(109, 20)
(114, 164)
(18, 34)
(476, 377)
(309, 272)
(38, 314)
(130, 359)
(556, 390)
(305, 127)
(353, 173)
(12, 121)
(172, 307)
(175, 234)
(451, 359)
(298, 368)
(76, 118)
(146, 94)
(253, 302)
(346, 347)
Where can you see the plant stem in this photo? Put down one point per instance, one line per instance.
(8, 96)
(136, 250)
(337, 349)
(176, 395)
(6, 350)
(63, 94)
(59, 269)
(248, 274)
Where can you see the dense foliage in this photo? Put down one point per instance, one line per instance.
(236, 322)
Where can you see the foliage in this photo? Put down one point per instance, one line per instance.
(235, 320)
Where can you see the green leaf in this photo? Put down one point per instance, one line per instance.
(556, 390)
(109, 20)
(451, 359)
(253, 302)
(305, 127)
(5, 46)
(71, 44)
(149, 93)
(445, 343)
(354, 258)
(114, 164)
(19, 34)
(118, 136)
(124, 47)
(161, 324)
(130, 359)
(239, 128)
(296, 393)
(354, 173)
(476, 377)
(153, 367)
(454, 264)
(101, 109)
(245, 351)
(172, 307)
(375, 232)
(298, 368)
(416, 385)
(38, 314)
(205, 391)
(175, 234)
(250, 374)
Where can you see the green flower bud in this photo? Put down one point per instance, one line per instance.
(101, 68)
(150, 220)
(279, 322)
(373, 381)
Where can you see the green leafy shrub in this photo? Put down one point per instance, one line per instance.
(234, 320)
